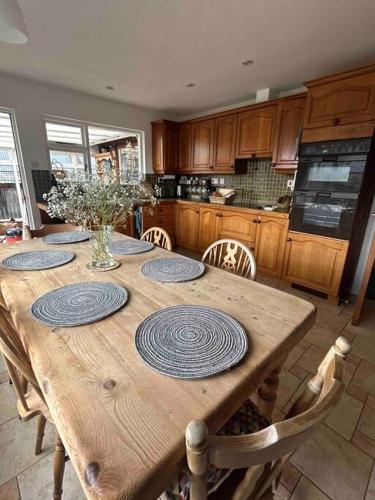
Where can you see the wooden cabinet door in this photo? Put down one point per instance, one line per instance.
(184, 147)
(342, 101)
(203, 145)
(171, 147)
(239, 226)
(270, 244)
(208, 227)
(158, 147)
(288, 133)
(315, 261)
(187, 226)
(225, 143)
(256, 132)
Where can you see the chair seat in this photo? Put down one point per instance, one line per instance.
(247, 420)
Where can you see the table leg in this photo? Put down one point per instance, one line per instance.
(267, 393)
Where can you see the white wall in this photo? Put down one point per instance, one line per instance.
(31, 99)
(370, 232)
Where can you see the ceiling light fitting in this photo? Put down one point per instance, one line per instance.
(247, 62)
(110, 87)
(12, 25)
(189, 85)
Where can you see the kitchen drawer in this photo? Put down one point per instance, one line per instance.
(165, 209)
(158, 220)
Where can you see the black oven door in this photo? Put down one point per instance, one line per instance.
(331, 174)
(325, 214)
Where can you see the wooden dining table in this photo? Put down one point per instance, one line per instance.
(122, 423)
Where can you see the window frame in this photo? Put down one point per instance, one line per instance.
(85, 147)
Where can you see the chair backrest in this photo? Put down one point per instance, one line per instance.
(29, 234)
(266, 452)
(232, 256)
(16, 359)
(158, 236)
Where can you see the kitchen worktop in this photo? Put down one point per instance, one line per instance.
(253, 209)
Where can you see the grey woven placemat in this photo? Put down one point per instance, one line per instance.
(172, 269)
(190, 341)
(130, 247)
(79, 304)
(37, 260)
(66, 237)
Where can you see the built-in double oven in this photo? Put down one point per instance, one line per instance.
(328, 183)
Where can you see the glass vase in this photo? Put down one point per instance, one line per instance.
(102, 258)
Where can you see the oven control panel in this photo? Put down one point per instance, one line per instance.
(361, 146)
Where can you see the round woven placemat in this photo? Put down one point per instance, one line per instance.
(172, 269)
(38, 260)
(190, 341)
(79, 304)
(130, 247)
(67, 237)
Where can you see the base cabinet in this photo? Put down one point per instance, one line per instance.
(316, 262)
(208, 227)
(187, 226)
(270, 244)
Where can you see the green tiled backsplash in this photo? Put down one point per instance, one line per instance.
(259, 186)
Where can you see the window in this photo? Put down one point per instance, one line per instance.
(11, 191)
(75, 147)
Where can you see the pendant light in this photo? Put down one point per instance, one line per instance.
(12, 25)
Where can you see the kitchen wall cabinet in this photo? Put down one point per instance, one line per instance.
(314, 261)
(289, 123)
(225, 143)
(187, 226)
(256, 129)
(271, 234)
(164, 146)
(203, 145)
(340, 106)
(184, 148)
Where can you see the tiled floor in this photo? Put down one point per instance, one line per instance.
(337, 463)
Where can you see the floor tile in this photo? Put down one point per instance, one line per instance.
(312, 358)
(366, 328)
(4, 377)
(367, 421)
(8, 403)
(17, 444)
(293, 357)
(300, 372)
(321, 337)
(2, 364)
(364, 377)
(364, 443)
(345, 416)
(288, 385)
(9, 490)
(290, 477)
(370, 495)
(303, 344)
(306, 490)
(337, 467)
(281, 493)
(353, 359)
(328, 317)
(364, 348)
(357, 393)
(37, 482)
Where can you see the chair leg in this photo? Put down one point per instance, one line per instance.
(40, 433)
(58, 467)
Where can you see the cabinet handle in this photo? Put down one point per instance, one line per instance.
(289, 239)
(197, 212)
(253, 155)
(219, 215)
(255, 221)
(252, 248)
(336, 121)
(211, 167)
(231, 166)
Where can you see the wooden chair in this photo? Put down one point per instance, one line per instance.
(29, 234)
(264, 453)
(31, 401)
(232, 256)
(158, 236)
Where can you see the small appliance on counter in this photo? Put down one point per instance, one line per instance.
(165, 187)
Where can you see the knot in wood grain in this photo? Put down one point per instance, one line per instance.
(92, 472)
(109, 384)
(45, 385)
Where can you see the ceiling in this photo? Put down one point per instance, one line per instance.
(148, 50)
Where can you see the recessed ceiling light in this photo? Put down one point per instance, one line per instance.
(189, 85)
(247, 62)
(110, 87)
